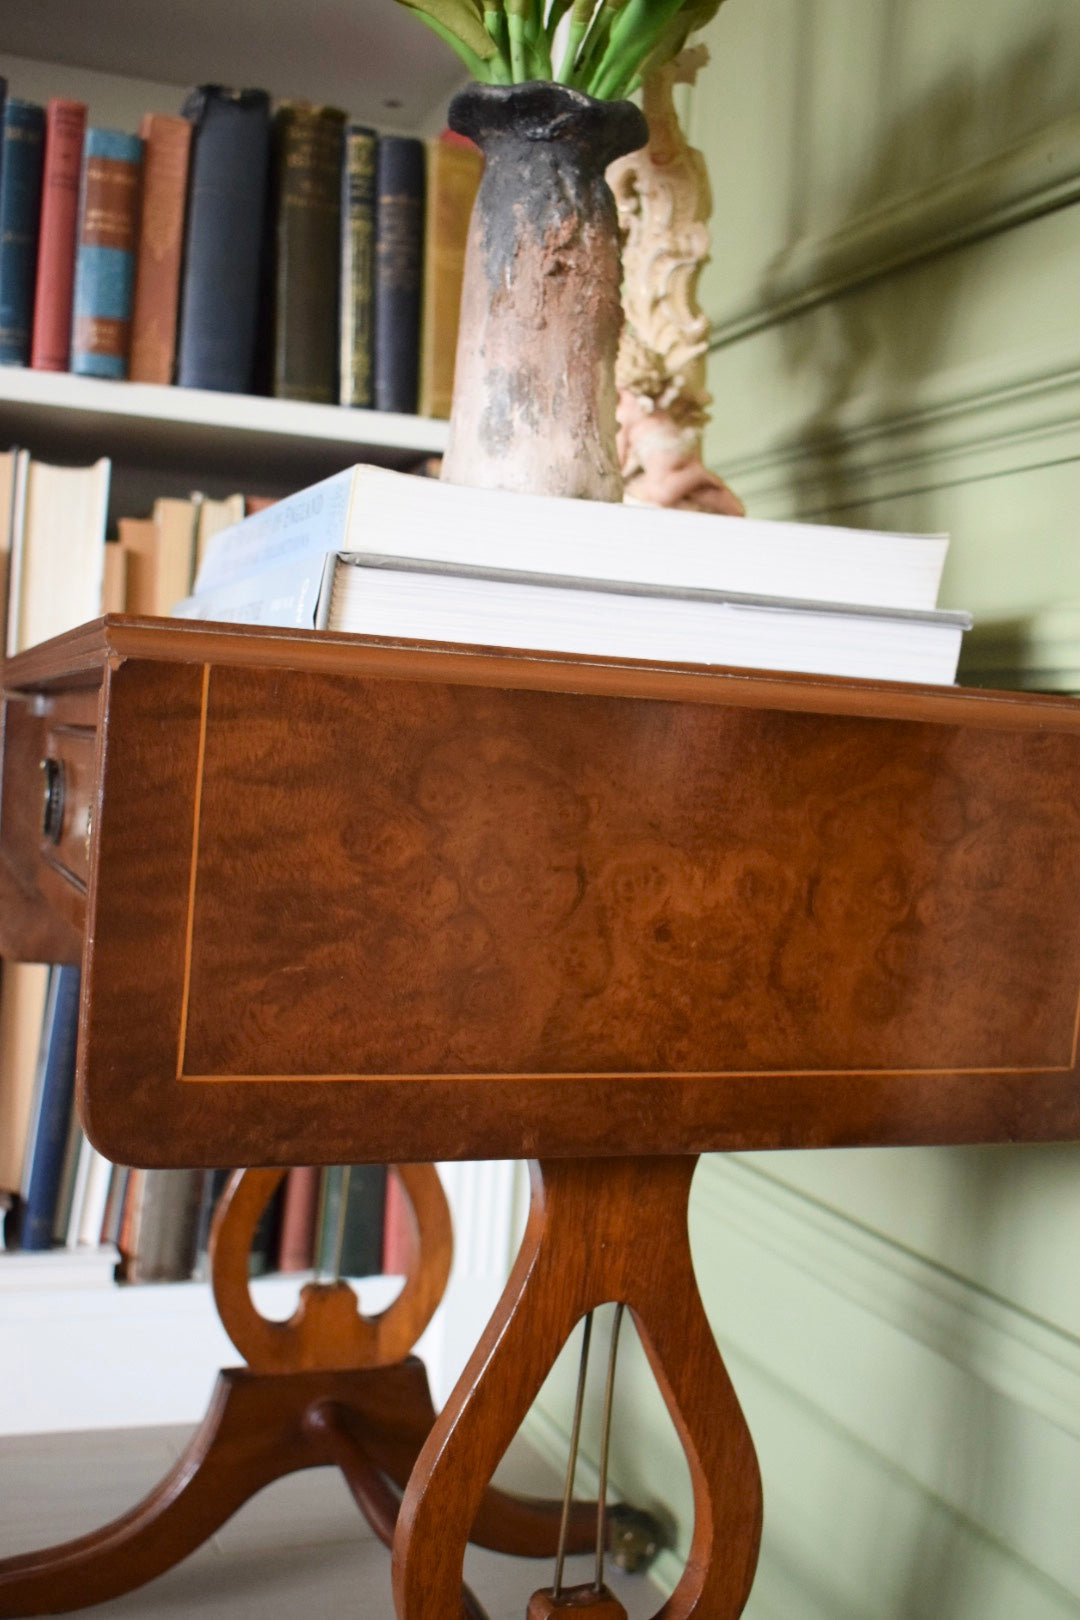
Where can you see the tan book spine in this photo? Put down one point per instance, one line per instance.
(167, 149)
(22, 1012)
(114, 585)
(453, 178)
(174, 519)
(213, 516)
(138, 536)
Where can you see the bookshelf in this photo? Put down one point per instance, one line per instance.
(383, 69)
(167, 441)
(375, 62)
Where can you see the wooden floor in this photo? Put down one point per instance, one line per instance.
(299, 1551)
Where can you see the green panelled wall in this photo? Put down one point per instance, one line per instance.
(895, 295)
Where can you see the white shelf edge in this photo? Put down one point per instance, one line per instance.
(68, 395)
(49, 1269)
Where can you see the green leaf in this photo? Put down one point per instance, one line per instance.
(456, 20)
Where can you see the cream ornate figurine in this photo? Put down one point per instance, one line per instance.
(664, 202)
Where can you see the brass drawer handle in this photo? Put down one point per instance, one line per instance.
(52, 816)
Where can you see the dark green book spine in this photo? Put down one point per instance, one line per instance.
(307, 160)
(349, 1239)
(356, 356)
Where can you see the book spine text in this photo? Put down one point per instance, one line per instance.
(105, 257)
(356, 342)
(307, 250)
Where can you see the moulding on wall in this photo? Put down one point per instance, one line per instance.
(1034, 177)
(850, 1536)
(1031, 1363)
(821, 1321)
(952, 436)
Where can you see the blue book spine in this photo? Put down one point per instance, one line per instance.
(105, 255)
(312, 520)
(22, 150)
(46, 1162)
(288, 595)
(224, 243)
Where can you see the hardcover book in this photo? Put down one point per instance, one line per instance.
(57, 549)
(366, 593)
(399, 258)
(22, 153)
(23, 990)
(223, 249)
(350, 1223)
(53, 1110)
(160, 553)
(166, 149)
(105, 255)
(162, 1234)
(307, 160)
(454, 167)
(65, 127)
(366, 508)
(299, 1209)
(356, 353)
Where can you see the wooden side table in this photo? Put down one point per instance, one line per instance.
(352, 900)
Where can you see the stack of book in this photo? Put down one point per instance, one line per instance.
(380, 553)
(291, 251)
(57, 1191)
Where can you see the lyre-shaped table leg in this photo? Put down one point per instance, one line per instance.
(328, 1387)
(598, 1230)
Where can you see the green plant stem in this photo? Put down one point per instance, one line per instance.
(516, 26)
(611, 45)
(495, 23)
(556, 13)
(580, 18)
(633, 36)
(595, 42)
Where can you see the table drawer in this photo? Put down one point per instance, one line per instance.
(46, 821)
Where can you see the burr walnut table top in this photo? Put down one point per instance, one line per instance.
(339, 898)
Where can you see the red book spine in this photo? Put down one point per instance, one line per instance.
(296, 1246)
(399, 1231)
(65, 128)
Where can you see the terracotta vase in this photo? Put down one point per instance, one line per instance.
(534, 391)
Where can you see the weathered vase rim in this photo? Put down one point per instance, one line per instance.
(540, 110)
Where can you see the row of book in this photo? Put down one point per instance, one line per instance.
(57, 1191)
(57, 570)
(289, 252)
